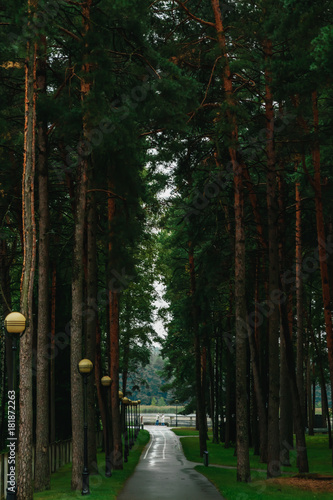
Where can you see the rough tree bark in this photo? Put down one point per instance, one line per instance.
(243, 462)
(197, 353)
(77, 278)
(116, 454)
(299, 299)
(322, 240)
(273, 449)
(24, 483)
(91, 326)
(42, 470)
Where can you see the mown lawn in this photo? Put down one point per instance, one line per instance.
(319, 455)
(101, 487)
(226, 483)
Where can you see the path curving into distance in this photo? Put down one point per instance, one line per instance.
(163, 473)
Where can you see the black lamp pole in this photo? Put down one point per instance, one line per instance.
(11, 493)
(15, 324)
(177, 412)
(85, 367)
(85, 473)
(131, 427)
(125, 402)
(106, 383)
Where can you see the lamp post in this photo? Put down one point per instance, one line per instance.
(125, 402)
(106, 383)
(15, 324)
(139, 403)
(131, 441)
(121, 411)
(176, 412)
(85, 367)
(135, 416)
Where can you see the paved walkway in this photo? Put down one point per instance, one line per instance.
(163, 473)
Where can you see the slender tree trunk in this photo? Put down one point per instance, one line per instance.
(117, 455)
(286, 409)
(24, 483)
(273, 466)
(325, 407)
(76, 330)
(91, 326)
(201, 414)
(42, 474)
(216, 389)
(299, 298)
(77, 280)
(242, 431)
(259, 399)
(302, 457)
(322, 242)
(52, 355)
(309, 397)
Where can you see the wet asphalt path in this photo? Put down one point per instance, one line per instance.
(164, 473)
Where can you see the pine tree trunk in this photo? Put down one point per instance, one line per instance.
(52, 355)
(273, 467)
(302, 457)
(24, 462)
(42, 471)
(299, 298)
(308, 388)
(286, 408)
(201, 414)
(325, 408)
(259, 399)
(78, 278)
(91, 326)
(76, 329)
(242, 431)
(117, 455)
(322, 242)
(216, 390)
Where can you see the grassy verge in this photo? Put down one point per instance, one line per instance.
(189, 431)
(319, 455)
(101, 487)
(225, 481)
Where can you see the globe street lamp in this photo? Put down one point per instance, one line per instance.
(125, 402)
(85, 367)
(106, 383)
(15, 324)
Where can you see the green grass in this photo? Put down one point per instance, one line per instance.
(189, 431)
(319, 456)
(101, 487)
(226, 483)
